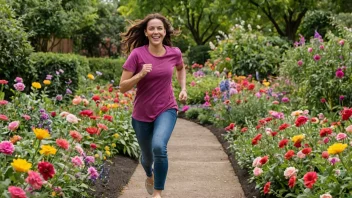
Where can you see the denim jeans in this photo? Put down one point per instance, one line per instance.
(153, 138)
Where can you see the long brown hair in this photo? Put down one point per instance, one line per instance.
(135, 36)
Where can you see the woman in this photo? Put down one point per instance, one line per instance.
(150, 66)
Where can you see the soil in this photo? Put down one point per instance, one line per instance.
(242, 174)
(116, 174)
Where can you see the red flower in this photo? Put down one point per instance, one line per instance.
(244, 129)
(76, 135)
(230, 127)
(93, 117)
(325, 155)
(238, 102)
(53, 114)
(264, 160)
(256, 139)
(292, 182)
(289, 154)
(93, 146)
(267, 188)
(111, 89)
(301, 120)
(283, 143)
(108, 118)
(46, 170)
(116, 100)
(92, 130)
(62, 143)
(3, 102)
(95, 98)
(86, 113)
(268, 119)
(102, 126)
(274, 133)
(104, 109)
(309, 179)
(325, 131)
(283, 126)
(251, 86)
(4, 117)
(346, 113)
(262, 121)
(297, 144)
(258, 126)
(3, 82)
(306, 151)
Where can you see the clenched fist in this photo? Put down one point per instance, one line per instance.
(146, 69)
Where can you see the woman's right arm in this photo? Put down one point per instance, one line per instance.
(128, 81)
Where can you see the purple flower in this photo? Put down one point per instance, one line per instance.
(339, 73)
(19, 86)
(258, 95)
(300, 63)
(19, 80)
(57, 73)
(93, 173)
(68, 91)
(285, 100)
(6, 147)
(233, 91)
(44, 116)
(49, 77)
(90, 159)
(99, 73)
(333, 160)
(317, 35)
(342, 97)
(302, 41)
(316, 57)
(59, 97)
(69, 81)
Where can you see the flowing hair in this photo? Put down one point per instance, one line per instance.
(135, 36)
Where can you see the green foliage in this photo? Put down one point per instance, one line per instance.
(246, 52)
(193, 113)
(14, 47)
(316, 79)
(73, 67)
(111, 68)
(198, 54)
(317, 20)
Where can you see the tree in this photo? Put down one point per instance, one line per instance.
(48, 19)
(201, 19)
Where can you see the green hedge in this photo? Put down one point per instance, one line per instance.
(75, 68)
(110, 68)
(198, 54)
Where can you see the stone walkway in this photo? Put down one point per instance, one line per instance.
(198, 167)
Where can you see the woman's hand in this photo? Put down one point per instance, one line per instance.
(146, 69)
(183, 96)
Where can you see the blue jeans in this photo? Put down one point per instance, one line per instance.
(153, 138)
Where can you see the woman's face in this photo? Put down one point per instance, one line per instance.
(155, 32)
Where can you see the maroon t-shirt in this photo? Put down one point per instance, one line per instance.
(154, 91)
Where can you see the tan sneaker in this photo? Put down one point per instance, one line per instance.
(149, 186)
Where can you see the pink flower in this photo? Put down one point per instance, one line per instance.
(257, 171)
(185, 108)
(72, 118)
(26, 117)
(339, 73)
(300, 63)
(34, 179)
(16, 192)
(193, 84)
(349, 129)
(316, 57)
(290, 171)
(77, 161)
(4, 117)
(310, 49)
(301, 155)
(326, 140)
(93, 173)
(7, 147)
(341, 136)
(62, 143)
(13, 126)
(327, 195)
(19, 80)
(90, 159)
(333, 160)
(77, 100)
(341, 42)
(19, 86)
(256, 162)
(79, 150)
(3, 102)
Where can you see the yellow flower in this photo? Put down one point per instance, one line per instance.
(104, 158)
(36, 85)
(107, 153)
(21, 165)
(107, 148)
(336, 148)
(116, 135)
(47, 82)
(47, 150)
(41, 133)
(90, 76)
(96, 155)
(53, 194)
(113, 145)
(297, 138)
(266, 84)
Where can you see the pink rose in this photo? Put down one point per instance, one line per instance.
(26, 117)
(290, 171)
(77, 161)
(4, 117)
(6, 147)
(16, 192)
(3, 102)
(349, 129)
(341, 136)
(77, 100)
(257, 171)
(72, 118)
(19, 86)
(327, 195)
(13, 126)
(301, 155)
(256, 162)
(34, 179)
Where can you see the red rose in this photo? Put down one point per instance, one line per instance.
(92, 130)
(86, 113)
(283, 143)
(53, 114)
(325, 155)
(297, 144)
(301, 120)
(244, 129)
(292, 182)
(256, 139)
(95, 98)
(93, 146)
(309, 179)
(306, 151)
(251, 86)
(46, 170)
(267, 188)
(283, 126)
(325, 131)
(104, 109)
(230, 127)
(264, 160)
(346, 113)
(108, 118)
(111, 89)
(289, 154)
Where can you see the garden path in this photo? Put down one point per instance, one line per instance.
(198, 167)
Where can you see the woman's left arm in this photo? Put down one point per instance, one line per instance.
(181, 78)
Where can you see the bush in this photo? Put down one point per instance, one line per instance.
(193, 113)
(248, 52)
(198, 54)
(14, 47)
(110, 68)
(317, 20)
(66, 70)
(321, 69)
